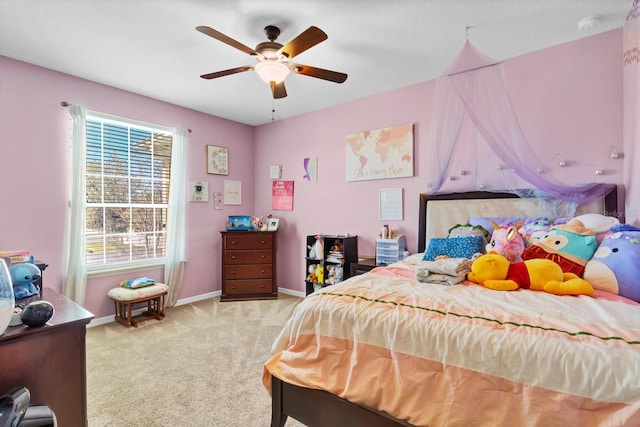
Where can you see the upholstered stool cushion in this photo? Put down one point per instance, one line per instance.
(125, 299)
(126, 294)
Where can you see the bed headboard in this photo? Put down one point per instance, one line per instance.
(457, 208)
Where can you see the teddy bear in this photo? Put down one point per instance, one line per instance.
(570, 245)
(613, 267)
(496, 272)
(312, 277)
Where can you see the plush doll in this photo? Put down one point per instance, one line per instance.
(496, 272)
(317, 250)
(599, 224)
(466, 230)
(312, 277)
(331, 275)
(22, 276)
(613, 267)
(534, 229)
(507, 241)
(570, 245)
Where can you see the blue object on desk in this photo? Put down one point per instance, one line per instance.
(239, 222)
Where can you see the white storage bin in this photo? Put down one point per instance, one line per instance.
(390, 250)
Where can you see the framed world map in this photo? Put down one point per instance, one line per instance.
(380, 154)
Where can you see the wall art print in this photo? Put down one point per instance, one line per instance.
(217, 160)
(282, 195)
(380, 154)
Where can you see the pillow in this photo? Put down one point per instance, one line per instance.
(454, 247)
(139, 282)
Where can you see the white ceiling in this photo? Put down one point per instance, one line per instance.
(151, 47)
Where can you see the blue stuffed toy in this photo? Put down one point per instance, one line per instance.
(613, 267)
(23, 275)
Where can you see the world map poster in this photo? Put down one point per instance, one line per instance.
(380, 154)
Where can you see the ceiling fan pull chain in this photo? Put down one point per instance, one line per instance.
(273, 110)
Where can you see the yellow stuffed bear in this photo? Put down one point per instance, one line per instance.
(496, 272)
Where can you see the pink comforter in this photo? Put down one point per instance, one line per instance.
(465, 355)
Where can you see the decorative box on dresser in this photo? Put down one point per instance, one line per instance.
(248, 265)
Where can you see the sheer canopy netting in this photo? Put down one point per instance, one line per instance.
(472, 93)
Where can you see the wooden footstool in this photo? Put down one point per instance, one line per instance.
(126, 299)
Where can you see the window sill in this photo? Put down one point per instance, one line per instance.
(101, 271)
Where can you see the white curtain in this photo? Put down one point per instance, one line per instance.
(631, 126)
(175, 255)
(75, 274)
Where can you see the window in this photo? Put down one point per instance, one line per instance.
(128, 167)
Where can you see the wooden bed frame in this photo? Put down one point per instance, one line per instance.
(318, 408)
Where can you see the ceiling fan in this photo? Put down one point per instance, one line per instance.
(273, 58)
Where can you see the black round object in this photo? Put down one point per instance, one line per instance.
(37, 313)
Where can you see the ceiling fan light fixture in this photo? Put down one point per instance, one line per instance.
(272, 71)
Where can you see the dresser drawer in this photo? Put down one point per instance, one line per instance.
(256, 286)
(248, 257)
(253, 271)
(254, 240)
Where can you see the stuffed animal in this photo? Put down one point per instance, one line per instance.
(331, 275)
(536, 228)
(613, 267)
(316, 251)
(507, 241)
(496, 272)
(22, 276)
(570, 245)
(466, 230)
(599, 224)
(312, 276)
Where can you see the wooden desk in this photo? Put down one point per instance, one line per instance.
(50, 360)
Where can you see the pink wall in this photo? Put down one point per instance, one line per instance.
(34, 161)
(568, 99)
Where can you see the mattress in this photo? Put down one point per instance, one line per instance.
(463, 355)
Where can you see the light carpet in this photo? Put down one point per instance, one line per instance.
(200, 366)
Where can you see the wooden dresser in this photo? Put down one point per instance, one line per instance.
(50, 360)
(248, 265)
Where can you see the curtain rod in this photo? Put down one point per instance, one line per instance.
(66, 104)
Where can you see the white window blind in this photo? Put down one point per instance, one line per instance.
(128, 167)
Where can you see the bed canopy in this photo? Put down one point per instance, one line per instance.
(472, 94)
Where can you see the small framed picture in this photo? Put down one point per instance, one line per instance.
(217, 160)
(272, 225)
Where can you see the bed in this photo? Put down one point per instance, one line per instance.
(382, 349)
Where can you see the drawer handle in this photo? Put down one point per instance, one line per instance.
(233, 272)
(262, 271)
(233, 286)
(262, 286)
(263, 242)
(233, 257)
(263, 256)
(233, 242)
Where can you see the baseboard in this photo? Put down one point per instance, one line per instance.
(108, 319)
(298, 294)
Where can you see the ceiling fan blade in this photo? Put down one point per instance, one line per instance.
(278, 90)
(319, 73)
(227, 72)
(226, 39)
(305, 40)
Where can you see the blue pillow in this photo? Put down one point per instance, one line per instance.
(455, 247)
